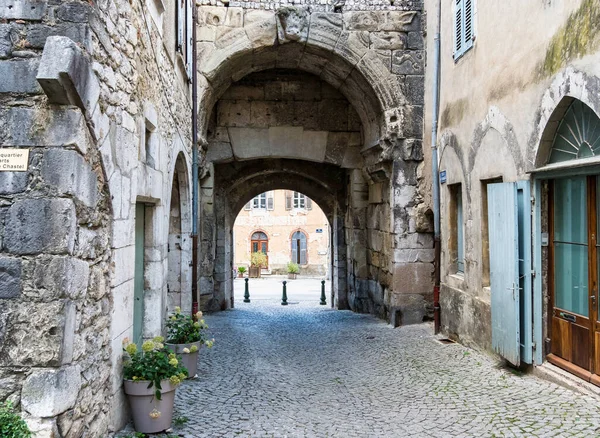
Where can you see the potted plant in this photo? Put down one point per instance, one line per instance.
(185, 336)
(241, 271)
(258, 260)
(293, 270)
(151, 377)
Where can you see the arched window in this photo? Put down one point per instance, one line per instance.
(299, 248)
(578, 135)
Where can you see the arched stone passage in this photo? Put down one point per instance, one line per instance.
(179, 245)
(328, 105)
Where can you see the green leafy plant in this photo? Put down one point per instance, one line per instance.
(153, 363)
(180, 421)
(293, 268)
(11, 424)
(242, 269)
(185, 329)
(258, 259)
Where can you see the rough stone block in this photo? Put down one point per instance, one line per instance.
(219, 152)
(44, 127)
(10, 277)
(40, 225)
(408, 62)
(66, 75)
(337, 143)
(413, 278)
(249, 142)
(18, 76)
(325, 29)
(37, 35)
(416, 41)
(23, 9)
(5, 41)
(12, 182)
(69, 173)
(49, 392)
(75, 12)
(292, 24)
(333, 115)
(401, 21)
(413, 88)
(62, 276)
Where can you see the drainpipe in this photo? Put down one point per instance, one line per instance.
(194, 165)
(435, 171)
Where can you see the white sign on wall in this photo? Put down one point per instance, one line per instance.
(14, 160)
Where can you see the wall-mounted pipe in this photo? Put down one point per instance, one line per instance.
(194, 163)
(435, 171)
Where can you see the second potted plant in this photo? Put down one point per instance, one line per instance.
(293, 270)
(258, 260)
(185, 336)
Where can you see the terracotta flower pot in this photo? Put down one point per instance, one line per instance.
(150, 415)
(189, 360)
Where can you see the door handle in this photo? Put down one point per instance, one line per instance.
(593, 298)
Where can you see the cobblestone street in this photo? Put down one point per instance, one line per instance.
(308, 370)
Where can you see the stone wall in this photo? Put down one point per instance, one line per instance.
(251, 111)
(103, 106)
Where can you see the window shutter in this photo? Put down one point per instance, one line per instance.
(294, 250)
(458, 28)
(308, 203)
(288, 200)
(180, 24)
(468, 23)
(303, 250)
(248, 206)
(270, 201)
(188, 40)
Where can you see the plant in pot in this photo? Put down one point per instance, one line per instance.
(185, 336)
(241, 271)
(293, 270)
(151, 377)
(258, 260)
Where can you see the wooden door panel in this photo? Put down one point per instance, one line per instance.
(597, 352)
(580, 342)
(561, 338)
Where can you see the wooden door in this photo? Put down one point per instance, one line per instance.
(573, 277)
(260, 243)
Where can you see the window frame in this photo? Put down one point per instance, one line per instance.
(259, 202)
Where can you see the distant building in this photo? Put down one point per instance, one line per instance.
(286, 225)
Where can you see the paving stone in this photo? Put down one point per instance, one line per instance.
(306, 370)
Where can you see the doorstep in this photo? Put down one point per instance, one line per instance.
(548, 371)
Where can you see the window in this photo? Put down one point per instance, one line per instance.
(485, 233)
(184, 33)
(260, 201)
(457, 249)
(463, 27)
(299, 248)
(297, 200)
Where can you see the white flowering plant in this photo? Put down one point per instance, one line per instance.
(185, 329)
(153, 363)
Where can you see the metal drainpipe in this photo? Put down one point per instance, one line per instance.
(194, 165)
(435, 171)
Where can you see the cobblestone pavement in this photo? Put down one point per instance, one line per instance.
(309, 371)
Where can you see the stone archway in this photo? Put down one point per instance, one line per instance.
(329, 105)
(179, 245)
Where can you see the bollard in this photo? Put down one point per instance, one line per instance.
(323, 299)
(246, 293)
(284, 296)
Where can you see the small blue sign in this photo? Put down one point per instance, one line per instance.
(443, 177)
(319, 230)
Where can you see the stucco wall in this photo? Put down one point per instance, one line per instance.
(495, 102)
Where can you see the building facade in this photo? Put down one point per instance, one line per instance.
(518, 139)
(289, 227)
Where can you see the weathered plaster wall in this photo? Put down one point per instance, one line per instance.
(494, 106)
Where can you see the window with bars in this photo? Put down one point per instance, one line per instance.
(464, 32)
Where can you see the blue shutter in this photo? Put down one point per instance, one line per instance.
(460, 231)
(458, 28)
(467, 25)
(504, 270)
(295, 249)
(525, 269)
(302, 249)
(180, 25)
